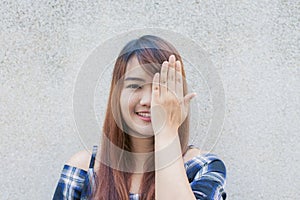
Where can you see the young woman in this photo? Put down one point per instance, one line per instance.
(144, 151)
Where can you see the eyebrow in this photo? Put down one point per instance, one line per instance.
(134, 79)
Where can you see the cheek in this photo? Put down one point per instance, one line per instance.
(128, 101)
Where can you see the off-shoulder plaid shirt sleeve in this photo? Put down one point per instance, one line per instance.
(70, 184)
(76, 183)
(206, 174)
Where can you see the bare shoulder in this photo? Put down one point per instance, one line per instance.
(80, 160)
(191, 153)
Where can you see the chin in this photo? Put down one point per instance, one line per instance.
(142, 132)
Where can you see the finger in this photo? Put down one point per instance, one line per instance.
(178, 80)
(172, 60)
(188, 98)
(171, 78)
(163, 79)
(155, 87)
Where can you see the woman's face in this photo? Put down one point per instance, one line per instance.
(135, 100)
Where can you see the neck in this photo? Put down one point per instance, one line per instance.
(142, 145)
(142, 149)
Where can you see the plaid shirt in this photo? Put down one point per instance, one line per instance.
(206, 174)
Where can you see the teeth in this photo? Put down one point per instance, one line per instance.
(144, 114)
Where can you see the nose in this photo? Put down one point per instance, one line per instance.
(146, 97)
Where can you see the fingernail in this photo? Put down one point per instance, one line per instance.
(172, 58)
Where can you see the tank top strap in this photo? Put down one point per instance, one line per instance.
(191, 146)
(92, 162)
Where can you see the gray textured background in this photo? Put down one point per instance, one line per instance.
(254, 46)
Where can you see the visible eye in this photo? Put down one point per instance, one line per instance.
(134, 86)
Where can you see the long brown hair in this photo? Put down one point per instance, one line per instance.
(112, 183)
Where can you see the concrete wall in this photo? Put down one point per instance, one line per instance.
(254, 46)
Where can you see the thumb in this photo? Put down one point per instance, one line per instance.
(188, 98)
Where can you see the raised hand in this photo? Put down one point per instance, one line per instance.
(169, 107)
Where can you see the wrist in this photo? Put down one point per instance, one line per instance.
(165, 137)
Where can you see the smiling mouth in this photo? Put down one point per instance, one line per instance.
(144, 116)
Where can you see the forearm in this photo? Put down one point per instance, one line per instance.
(170, 176)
